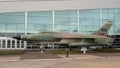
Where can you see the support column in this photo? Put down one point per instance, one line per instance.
(1, 43)
(48, 45)
(100, 17)
(53, 46)
(25, 45)
(11, 43)
(20, 43)
(53, 17)
(41, 48)
(31, 46)
(26, 30)
(78, 21)
(26, 23)
(15, 44)
(6, 43)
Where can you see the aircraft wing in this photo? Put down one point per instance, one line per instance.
(82, 44)
(82, 40)
(80, 36)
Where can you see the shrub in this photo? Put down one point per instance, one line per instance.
(11, 52)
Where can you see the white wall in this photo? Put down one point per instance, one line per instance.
(57, 5)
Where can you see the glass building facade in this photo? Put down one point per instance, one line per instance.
(83, 21)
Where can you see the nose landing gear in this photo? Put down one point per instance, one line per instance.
(41, 48)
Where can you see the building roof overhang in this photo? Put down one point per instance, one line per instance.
(23, 6)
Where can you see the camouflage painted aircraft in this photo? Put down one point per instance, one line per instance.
(98, 37)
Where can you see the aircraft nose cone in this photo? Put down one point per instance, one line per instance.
(17, 37)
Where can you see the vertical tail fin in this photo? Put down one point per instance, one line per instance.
(104, 29)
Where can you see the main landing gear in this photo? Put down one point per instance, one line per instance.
(84, 49)
(41, 48)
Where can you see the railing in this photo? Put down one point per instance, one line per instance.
(10, 43)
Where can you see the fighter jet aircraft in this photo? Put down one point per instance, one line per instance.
(98, 37)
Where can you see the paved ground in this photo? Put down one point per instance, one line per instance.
(38, 55)
(47, 55)
(36, 60)
(109, 62)
(10, 57)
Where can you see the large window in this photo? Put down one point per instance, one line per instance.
(12, 23)
(114, 16)
(89, 20)
(66, 21)
(39, 21)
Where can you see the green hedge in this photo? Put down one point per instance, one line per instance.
(106, 50)
(11, 52)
